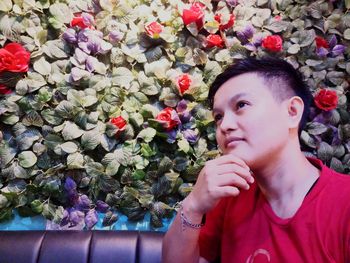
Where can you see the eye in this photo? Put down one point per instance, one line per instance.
(217, 118)
(241, 104)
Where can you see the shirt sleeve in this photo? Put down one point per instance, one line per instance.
(211, 232)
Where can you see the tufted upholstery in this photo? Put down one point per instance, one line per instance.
(80, 247)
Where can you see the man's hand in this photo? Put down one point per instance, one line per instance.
(221, 177)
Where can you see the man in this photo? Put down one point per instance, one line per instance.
(264, 201)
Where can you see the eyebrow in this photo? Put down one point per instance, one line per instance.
(234, 98)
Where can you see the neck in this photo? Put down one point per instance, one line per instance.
(286, 180)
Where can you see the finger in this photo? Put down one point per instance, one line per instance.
(234, 168)
(230, 158)
(232, 180)
(226, 191)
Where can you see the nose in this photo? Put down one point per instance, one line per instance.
(228, 123)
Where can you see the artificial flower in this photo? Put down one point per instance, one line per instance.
(229, 22)
(183, 83)
(326, 99)
(153, 29)
(214, 41)
(14, 58)
(273, 43)
(194, 14)
(168, 118)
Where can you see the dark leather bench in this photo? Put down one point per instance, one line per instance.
(80, 247)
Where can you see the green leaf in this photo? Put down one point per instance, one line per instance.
(42, 66)
(149, 111)
(71, 131)
(61, 13)
(139, 162)
(183, 145)
(90, 140)
(20, 172)
(347, 4)
(138, 175)
(325, 152)
(89, 101)
(75, 161)
(3, 201)
(112, 168)
(51, 117)
(294, 49)
(33, 118)
(27, 159)
(316, 128)
(35, 81)
(122, 77)
(6, 154)
(5, 5)
(48, 211)
(147, 134)
(94, 169)
(37, 206)
(69, 147)
(154, 54)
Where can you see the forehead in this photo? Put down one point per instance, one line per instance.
(248, 85)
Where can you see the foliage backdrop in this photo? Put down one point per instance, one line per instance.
(109, 111)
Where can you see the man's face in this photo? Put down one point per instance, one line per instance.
(250, 122)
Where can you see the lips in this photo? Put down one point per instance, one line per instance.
(232, 141)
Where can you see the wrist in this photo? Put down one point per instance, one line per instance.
(189, 209)
(190, 219)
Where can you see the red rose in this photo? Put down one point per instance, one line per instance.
(194, 15)
(154, 29)
(277, 18)
(83, 20)
(228, 25)
(326, 99)
(183, 83)
(168, 118)
(4, 90)
(273, 43)
(14, 58)
(214, 41)
(321, 42)
(119, 122)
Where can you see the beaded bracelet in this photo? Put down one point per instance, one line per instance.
(186, 222)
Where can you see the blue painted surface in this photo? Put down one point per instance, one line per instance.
(40, 223)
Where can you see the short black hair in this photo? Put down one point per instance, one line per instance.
(281, 77)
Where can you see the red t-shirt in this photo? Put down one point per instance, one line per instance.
(245, 229)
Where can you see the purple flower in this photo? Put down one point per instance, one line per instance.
(70, 184)
(65, 219)
(338, 50)
(246, 34)
(80, 56)
(90, 64)
(232, 3)
(115, 36)
(171, 136)
(76, 217)
(190, 135)
(70, 36)
(322, 52)
(101, 206)
(91, 42)
(335, 137)
(332, 41)
(83, 203)
(181, 106)
(88, 19)
(91, 219)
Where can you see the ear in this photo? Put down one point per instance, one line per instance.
(295, 109)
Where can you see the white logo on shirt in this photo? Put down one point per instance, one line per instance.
(257, 252)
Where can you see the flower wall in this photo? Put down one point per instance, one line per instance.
(103, 102)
